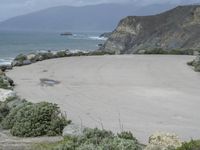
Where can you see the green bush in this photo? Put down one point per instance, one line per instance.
(170, 52)
(191, 63)
(96, 139)
(99, 52)
(181, 52)
(4, 110)
(30, 120)
(4, 84)
(195, 64)
(61, 54)
(119, 144)
(126, 135)
(9, 121)
(95, 136)
(156, 51)
(46, 55)
(192, 145)
(7, 105)
(21, 58)
(197, 67)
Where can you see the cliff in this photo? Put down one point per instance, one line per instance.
(178, 28)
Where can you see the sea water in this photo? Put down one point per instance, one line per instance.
(13, 43)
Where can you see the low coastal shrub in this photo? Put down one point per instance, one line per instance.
(96, 139)
(61, 54)
(195, 64)
(156, 51)
(30, 120)
(21, 57)
(47, 55)
(4, 84)
(126, 135)
(169, 52)
(4, 110)
(192, 145)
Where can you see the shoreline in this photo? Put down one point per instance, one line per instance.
(80, 76)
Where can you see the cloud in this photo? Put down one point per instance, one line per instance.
(10, 8)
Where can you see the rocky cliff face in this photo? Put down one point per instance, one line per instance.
(178, 28)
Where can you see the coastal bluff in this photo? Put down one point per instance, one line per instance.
(175, 29)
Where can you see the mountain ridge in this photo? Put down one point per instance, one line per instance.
(85, 18)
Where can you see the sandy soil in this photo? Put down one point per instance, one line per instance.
(140, 93)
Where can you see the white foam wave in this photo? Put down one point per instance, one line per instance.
(97, 38)
(6, 61)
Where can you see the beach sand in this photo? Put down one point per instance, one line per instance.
(140, 93)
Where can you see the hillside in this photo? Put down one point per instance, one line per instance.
(178, 28)
(85, 18)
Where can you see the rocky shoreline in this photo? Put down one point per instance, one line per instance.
(27, 59)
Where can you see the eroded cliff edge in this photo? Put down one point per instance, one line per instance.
(178, 28)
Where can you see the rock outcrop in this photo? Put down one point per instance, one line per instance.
(163, 141)
(178, 28)
(27, 59)
(106, 34)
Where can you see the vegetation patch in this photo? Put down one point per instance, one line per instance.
(192, 145)
(196, 64)
(169, 52)
(96, 139)
(25, 119)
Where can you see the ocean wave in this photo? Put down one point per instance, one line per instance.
(97, 38)
(6, 61)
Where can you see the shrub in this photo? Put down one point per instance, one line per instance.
(195, 64)
(30, 120)
(4, 84)
(4, 110)
(99, 52)
(21, 58)
(46, 55)
(61, 54)
(192, 145)
(126, 135)
(96, 139)
(156, 51)
(95, 136)
(191, 63)
(119, 144)
(172, 51)
(8, 104)
(197, 67)
(9, 121)
(181, 52)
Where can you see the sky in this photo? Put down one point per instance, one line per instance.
(11, 8)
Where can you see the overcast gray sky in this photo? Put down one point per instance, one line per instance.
(10, 8)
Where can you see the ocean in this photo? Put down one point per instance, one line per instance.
(13, 43)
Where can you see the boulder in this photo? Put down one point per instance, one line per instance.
(106, 34)
(16, 63)
(2, 73)
(5, 67)
(4, 94)
(73, 130)
(163, 141)
(66, 34)
(31, 57)
(6, 82)
(26, 62)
